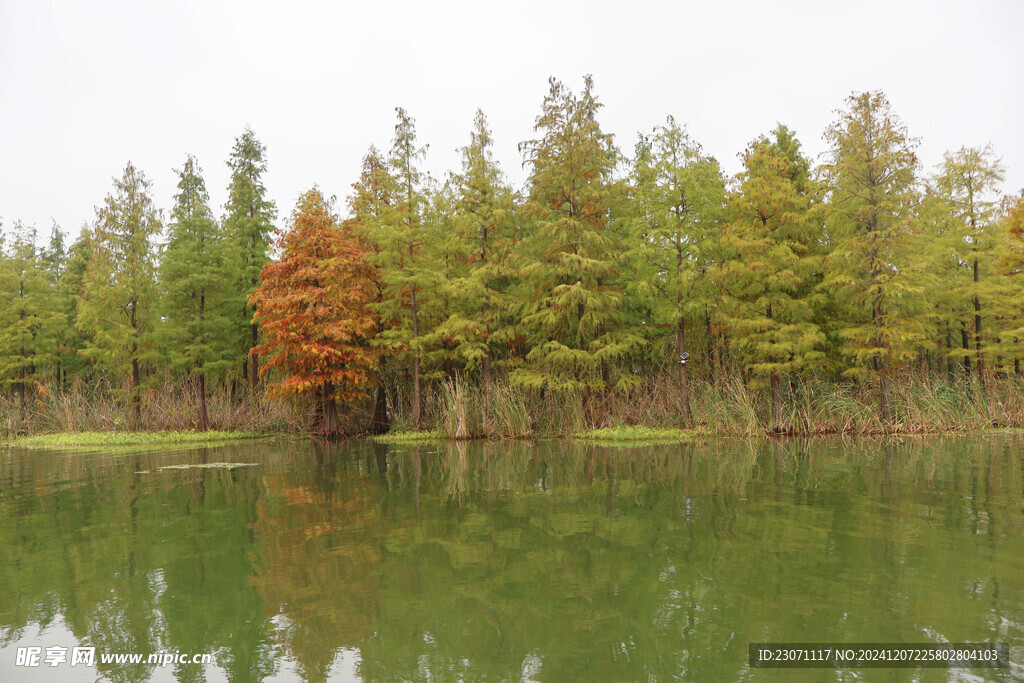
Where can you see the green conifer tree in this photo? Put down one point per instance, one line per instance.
(678, 195)
(55, 256)
(30, 321)
(116, 312)
(573, 303)
(70, 288)
(197, 286)
(874, 268)
(773, 249)
(407, 274)
(478, 257)
(945, 309)
(1011, 266)
(371, 204)
(968, 184)
(249, 225)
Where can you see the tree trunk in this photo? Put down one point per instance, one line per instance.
(950, 372)
(980, 365)
(204, 417)
(379, 424)
(330, 411)
(967, 345)
(417, 387)
(882, 366)
(776, 392)
(136, 383)
(684, 384)
(880, 362)
(333, 427)
(488, 372)
(711, 348)
(885, 397)
(22, 394)
(254, 373)
(417, 393)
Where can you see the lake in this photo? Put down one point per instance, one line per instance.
(548, 561)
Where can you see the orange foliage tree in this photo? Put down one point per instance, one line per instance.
(312, 312)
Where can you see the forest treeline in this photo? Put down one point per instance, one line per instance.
(612, 286)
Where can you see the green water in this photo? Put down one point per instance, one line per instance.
(551, 561)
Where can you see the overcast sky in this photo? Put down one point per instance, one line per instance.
(87, 86)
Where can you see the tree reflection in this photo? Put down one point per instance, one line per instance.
(500, 560)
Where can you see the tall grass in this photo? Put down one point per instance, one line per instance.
(496, 410)
(168, 406)
(463, 409)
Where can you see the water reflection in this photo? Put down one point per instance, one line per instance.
(549, 560)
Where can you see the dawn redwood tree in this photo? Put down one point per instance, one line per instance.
(968, 183)
(55, 254)
(30, 320)
(773, 255)
(370, 206)
(478, 257)
(874, 270)
(678, 195)
(55, 257)
(573, 305)
(1011, 265)
(196, 278)
(116, 311)
(941, 236)
(407, 272)
(71, 343)
(372, 200)
(313, 310)
(249, 224)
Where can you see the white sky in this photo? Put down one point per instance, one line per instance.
(87, 86)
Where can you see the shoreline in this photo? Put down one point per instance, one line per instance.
(606, 436)
(616, 436)
(90, 439)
